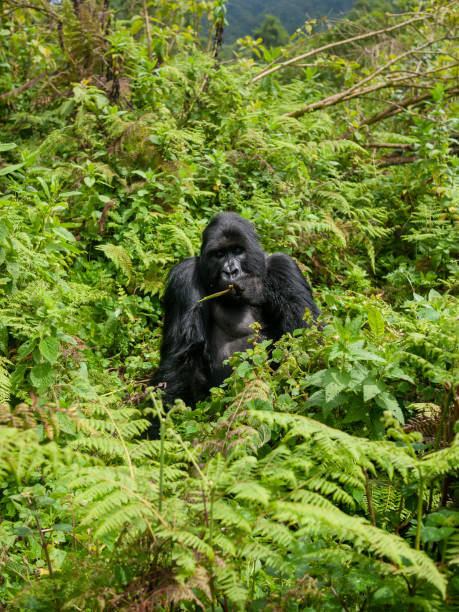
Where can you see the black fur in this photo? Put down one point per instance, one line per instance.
(197, 337)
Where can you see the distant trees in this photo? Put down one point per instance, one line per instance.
(272, 32)
(244, 16)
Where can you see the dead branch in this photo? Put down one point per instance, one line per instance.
(17, 90)
(396, 160)
(147, 29)
(103, 217)
(395, 108)
(40, 9)
(353, 91)
(389, 145)
(400, 81)
(339, 43)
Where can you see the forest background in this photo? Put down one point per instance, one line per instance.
(324, 475)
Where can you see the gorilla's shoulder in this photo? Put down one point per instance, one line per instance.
(280, 263)
(184, 270)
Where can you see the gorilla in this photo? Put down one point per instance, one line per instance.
(199, 335)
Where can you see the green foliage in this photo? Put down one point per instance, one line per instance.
(323, 476)
(271, 32)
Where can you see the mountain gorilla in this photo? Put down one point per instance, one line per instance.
(199, 336)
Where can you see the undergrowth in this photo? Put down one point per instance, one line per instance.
(323, 475)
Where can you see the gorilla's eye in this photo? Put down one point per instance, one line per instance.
(219, 254)
(238, 250)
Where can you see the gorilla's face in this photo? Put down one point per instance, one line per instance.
(229, 261)
(230, 254)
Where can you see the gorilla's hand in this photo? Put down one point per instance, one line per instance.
(251, 290)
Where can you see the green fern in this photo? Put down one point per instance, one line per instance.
(119, 256)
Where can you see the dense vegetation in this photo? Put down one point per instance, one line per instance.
(328, 482)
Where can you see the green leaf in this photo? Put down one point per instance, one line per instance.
(42, 376)
(64, 233)
(23, 531)
(17, 376)
(49, 348)
(89, 181)
(28, 347)
(435, 534)
(386, 401)
(316, 379)
(316, 399)
(45, 500)
(7, 146)
(429, 314)
(383, 596)
(140, 173)
(375, 320)
(334, 382)
(363, 355)
(65, 527)
(9, 169)
(398, 374)
(358, 375)
(243, 369)
(371, 388)
(3, 231)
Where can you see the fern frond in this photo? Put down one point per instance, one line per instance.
(119, 256)
(4, 381)
(363, 536)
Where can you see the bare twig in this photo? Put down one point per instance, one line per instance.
(393, 109)
(389, 145)
(218, 294)
(354, 90)
(44, 544)
(339, 43)
(396, 160)
(21, 88)
(147, 29)
(103, 217)
(335, 593)
(39, 9)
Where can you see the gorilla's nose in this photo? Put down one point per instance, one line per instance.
(230, 275)
(231, 271)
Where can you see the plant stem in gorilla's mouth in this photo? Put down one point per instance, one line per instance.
(215, 295)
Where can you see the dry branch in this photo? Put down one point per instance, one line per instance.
(40, 9)
(339, 43)
(17, 90)
(147, 29)
(396, 160)
(218, 294)
(389, 145)
(395, 108)
(354, 90)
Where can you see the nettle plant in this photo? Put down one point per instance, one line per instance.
(343, 372)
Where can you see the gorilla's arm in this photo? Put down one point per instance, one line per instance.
(287, 296)
(182, 365)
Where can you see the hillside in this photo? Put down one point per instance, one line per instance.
(245, 15)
